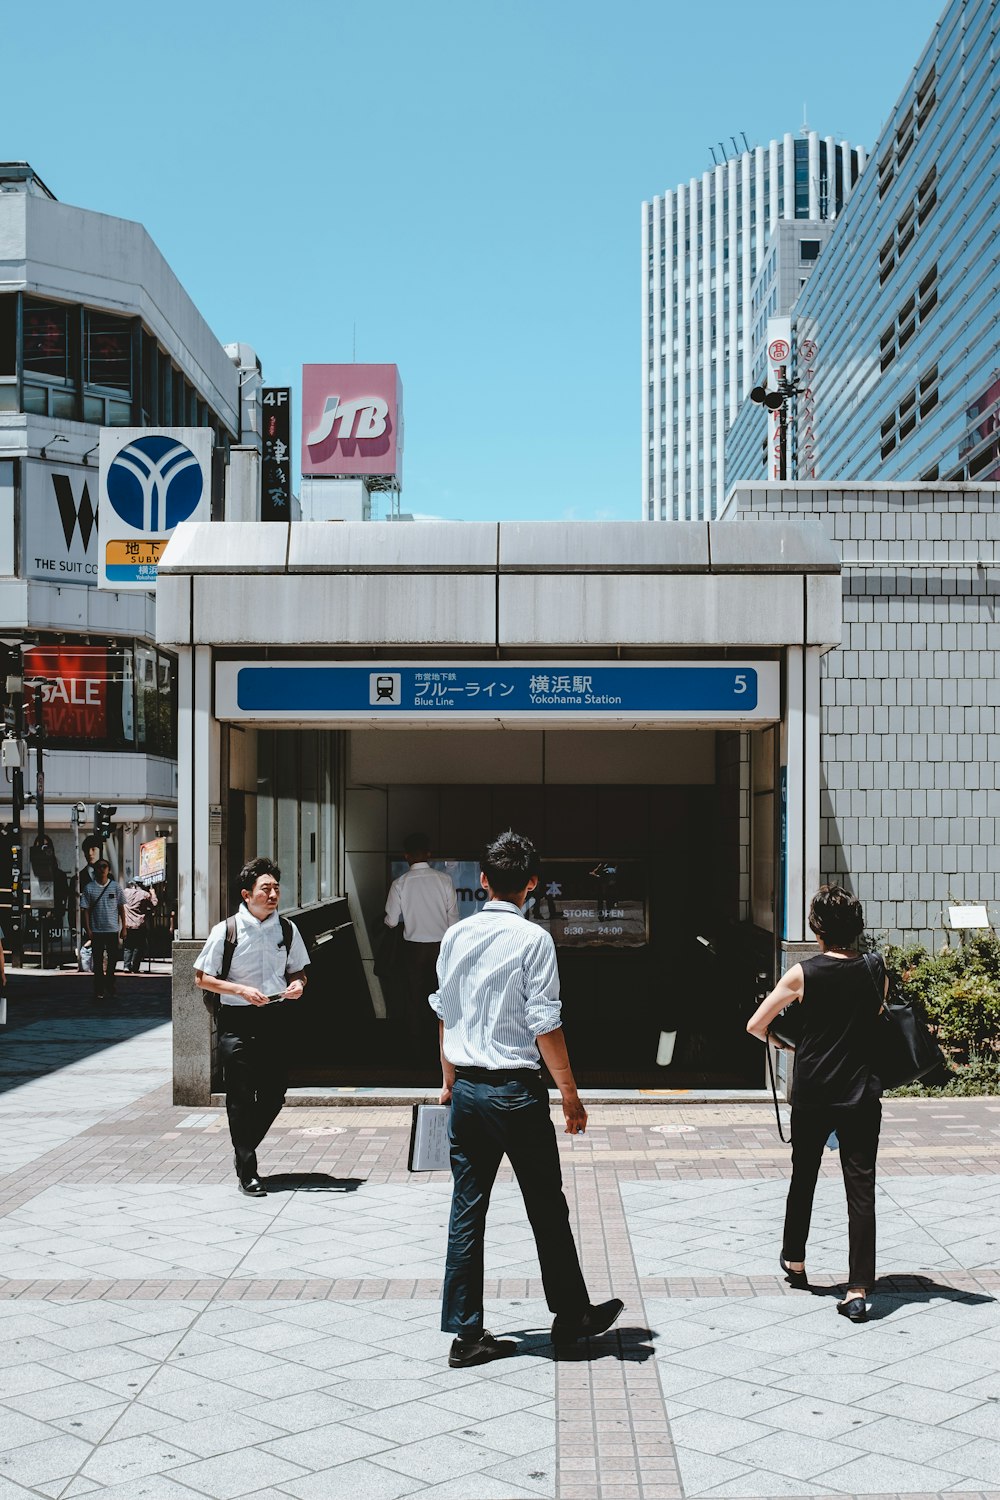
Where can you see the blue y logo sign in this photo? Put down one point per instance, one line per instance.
(154, 483)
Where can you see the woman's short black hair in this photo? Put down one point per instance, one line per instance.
(836, 916)
(254, 869)
(509, 862)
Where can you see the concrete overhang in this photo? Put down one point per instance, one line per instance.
(492, 586)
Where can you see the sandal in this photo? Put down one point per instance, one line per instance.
(797, 1279)
(855, 1308)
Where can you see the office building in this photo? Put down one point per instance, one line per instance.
(95, 331)
(702, 246)
(900, 318)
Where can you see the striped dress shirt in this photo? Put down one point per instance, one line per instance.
(498, 989)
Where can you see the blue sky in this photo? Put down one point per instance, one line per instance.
(460, 183)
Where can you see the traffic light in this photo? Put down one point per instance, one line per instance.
(103, 814)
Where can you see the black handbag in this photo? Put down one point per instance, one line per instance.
(786, 1027)
(904, 1048)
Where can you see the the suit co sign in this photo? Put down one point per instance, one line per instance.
(447, 692)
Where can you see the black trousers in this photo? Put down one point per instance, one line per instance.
(254, 1054)
(104, 947)
(420, 977)
(489, 1120)
(136, 945)
(858, 1131)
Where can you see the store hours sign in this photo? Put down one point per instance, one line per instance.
(451, 692)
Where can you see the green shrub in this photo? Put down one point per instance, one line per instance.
(957, 990)
(981, 1076)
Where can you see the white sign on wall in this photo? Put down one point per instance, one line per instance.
(151, 480)
(59, 523)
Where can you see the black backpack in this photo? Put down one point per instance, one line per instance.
(212, 1001)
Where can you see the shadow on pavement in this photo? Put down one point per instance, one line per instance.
(311, 1182)
(54, 1021)
(900, 1291)
(628, 1345)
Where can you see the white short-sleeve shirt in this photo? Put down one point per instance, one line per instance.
(425, 900)
(259, 958)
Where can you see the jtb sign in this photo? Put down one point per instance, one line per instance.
(150, 481)
(397, 692)
(352, 421)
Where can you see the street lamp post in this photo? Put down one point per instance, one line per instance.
(777, 401)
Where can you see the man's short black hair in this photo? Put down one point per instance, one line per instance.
(416, 843)
(509, 862)
(254, 869)
(92, 843)
(103, 864)
(836, 916)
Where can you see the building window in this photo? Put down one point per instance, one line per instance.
(912, 315)
(913, 407)
(809, 249)
(8, 353)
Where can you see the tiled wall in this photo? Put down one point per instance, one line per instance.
(910, 730)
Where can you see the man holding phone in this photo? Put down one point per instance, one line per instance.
(255, 962)
(497, 1005)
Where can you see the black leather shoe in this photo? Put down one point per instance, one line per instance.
(253, 1187)
(597, 1319)
(856, 1309)
(797, 1279)
(478, 1351)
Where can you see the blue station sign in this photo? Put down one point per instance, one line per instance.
(407, 692)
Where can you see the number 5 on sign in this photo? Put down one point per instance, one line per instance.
(740, 683)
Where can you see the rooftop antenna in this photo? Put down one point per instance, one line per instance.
(805, 119)
(736, 149)
(715, 159)
(723, 150)
(746, 143)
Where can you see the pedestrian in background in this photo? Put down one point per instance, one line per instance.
(102, 911)
(426, 903)
(497, 1003)
(262, 966)
(140, 902)
(91, 849)
(835, 1088)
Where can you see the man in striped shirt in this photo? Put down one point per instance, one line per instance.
(497, 1005)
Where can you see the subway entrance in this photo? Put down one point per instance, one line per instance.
(657, 885)
(642, 702)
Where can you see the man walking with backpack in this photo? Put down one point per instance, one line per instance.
(254, 962)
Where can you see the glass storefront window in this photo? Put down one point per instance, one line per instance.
(47, 339)
(155, 701)
(107, 351)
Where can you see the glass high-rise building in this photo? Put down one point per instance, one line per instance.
(702, 244)
(900, 319)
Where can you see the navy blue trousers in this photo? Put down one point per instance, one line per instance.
(491, 1120)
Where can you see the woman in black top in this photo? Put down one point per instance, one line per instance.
(834, 1084)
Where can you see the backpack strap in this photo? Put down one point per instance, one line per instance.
(228, 948)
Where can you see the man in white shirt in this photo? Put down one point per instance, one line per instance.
(265, 968)
(497, 1005)
(426, 903)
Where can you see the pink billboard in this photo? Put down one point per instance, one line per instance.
(352, 421)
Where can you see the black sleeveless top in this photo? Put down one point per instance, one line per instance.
(834, 1061)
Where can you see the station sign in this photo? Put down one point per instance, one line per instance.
(151, 479)
(408, 693)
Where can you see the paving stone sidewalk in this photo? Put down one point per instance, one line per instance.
(160, 1335)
